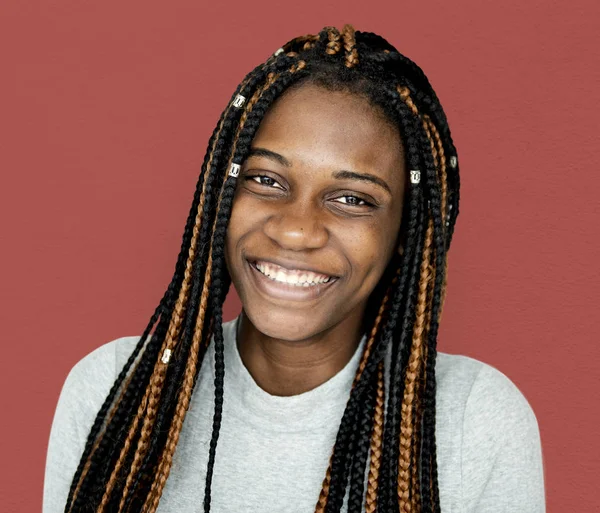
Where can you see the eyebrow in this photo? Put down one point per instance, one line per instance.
(339, 175)
(263, 152)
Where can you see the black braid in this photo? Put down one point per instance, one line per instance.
(361, 450)
(243, 148)
(162, 310)
(428, 448)
(412, 152)
(144, 371)
(175, 373)
(390, 451)
(434, 199)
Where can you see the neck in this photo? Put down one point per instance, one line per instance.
(286, 368)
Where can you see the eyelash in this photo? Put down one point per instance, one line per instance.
(366, 203)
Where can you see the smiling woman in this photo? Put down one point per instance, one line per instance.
(322, 197)
(328, 198)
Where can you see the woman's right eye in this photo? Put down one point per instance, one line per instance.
(260, 181)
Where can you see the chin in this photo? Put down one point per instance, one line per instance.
(283, 324)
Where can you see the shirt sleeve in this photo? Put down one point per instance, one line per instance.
(80, 399)
(502, 465)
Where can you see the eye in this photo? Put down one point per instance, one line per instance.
(267, 182)
(355, 201)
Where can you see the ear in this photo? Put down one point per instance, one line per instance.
(401, 249)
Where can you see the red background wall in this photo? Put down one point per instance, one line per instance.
(106, 110)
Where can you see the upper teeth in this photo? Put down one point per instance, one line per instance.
(304, 278)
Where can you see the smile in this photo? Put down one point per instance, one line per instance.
(291, 286)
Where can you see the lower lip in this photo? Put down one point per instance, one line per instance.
(276, 289)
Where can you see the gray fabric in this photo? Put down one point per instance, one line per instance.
(273, 452)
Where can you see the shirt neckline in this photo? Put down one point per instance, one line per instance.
(315, 408)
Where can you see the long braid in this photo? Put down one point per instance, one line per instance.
(361, 446)
(370, 431)
(376, 444)
(367, 436)
(344, 435)
(189, 225)
(429, 397)
(104, 417)
(389, 471)
(322, 502)
(415, 484)
(408, 486)
(272, 89)
(340, 454)
(191, 336)
(444, 186)
(391, 449)
(378, 422)
(412, 372)
(174, 371)
(433, 131)
(207, 209)
(437, 203)
(184, 396)
(148, 414)
(191, 354)
(152, 394)
(131, 384)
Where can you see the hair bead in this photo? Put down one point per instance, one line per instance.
(234, 170)
(166, 356)
(415, 176)
(453, 162)
(239, 100)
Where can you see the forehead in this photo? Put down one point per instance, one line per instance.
(322, 129)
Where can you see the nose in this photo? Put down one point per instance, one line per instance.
(296, 228)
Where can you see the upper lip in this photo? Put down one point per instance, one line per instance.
(290, 265)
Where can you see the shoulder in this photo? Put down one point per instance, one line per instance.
(100, 362)
(495, 400)
(82, 395)
(498, 445)
(495, 412)
(488, 394)
(91, 378)
(88, 383)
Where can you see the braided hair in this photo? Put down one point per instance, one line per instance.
(129, 451)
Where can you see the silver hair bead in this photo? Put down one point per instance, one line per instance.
(166, 356)
(453, 162)
(239, 101)
(234, 170)
(415, 176)
(277, 52)
(448, 215)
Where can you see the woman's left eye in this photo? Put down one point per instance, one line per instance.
(355, 203)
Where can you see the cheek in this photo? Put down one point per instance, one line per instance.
(370, 249)
(241, 221)
(368, 237)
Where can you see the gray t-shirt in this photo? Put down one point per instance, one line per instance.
(274, 451)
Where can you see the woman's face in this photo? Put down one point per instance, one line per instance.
(298, 204)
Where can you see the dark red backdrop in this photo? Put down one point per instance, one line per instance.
(106, 109)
